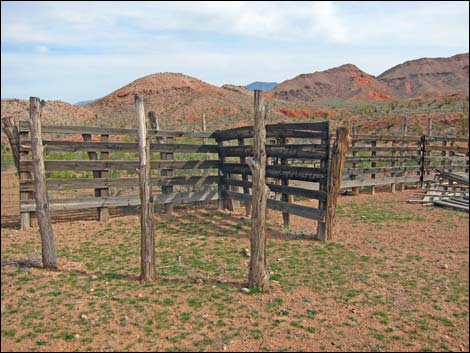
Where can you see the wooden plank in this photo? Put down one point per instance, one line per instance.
(309, 151)
(103, 212)
(49, 258)
(272, 130)
(285, 185)
(78, 130)
(383, 159)
(25, 175)
(257, 275)
(299, 210)
(279, 171)
(93, 156)
(290, 190)
(118, 183)
(397, 169)
(382, 181)
(247, 203)
(335, 174)
(122, 201)
(82, 165)
(451, 205)
(383, 148)
(75, 146)
(147, 237)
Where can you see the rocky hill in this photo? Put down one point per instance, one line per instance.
(54, 113)
(346, 82)
(429, 77)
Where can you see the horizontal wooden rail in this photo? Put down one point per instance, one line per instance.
(383, 149)
(279, 171)
(82, 165)
(314, 152)
(119, 183)
(299, 210)
(121, 201)
(72, 146)
(382, 159)
(382, 181)
(275, 130)
(397, 169)
(24, 127)
(291, 190)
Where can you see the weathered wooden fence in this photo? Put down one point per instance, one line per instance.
(375, 160)
(98, 168)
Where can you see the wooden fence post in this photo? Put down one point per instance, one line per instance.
(103, 213)
(404, 132)
(284, 182)
(322, 231)
(373, 165)
(147, 242)
(257, 276)
(335, 174)
(49, 260)
(355, 190)
(204, 127)
(11, 130)
(246, 190)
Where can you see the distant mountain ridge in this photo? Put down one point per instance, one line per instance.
(263, 86)
(82, 103)
(425, 78)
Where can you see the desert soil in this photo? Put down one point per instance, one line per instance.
(395, 278)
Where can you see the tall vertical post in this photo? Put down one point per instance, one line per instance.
(49, 260)
(422, 160)
(355, 190)
(147, 240)
(404, 133)
(284, 182)
(322, 232)
(103, 212)
(25, 216)
(373, 165)
(257, 276)
(246, 190)
(335, 174)
(204, 127)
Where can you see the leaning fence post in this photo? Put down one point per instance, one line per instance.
(147, 242)
(40, 188)
(335, 174)
(257, 276)
(404, 132)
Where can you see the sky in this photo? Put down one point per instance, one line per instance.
(74, 51)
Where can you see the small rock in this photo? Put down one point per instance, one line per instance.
(94, 277)
(77, 335)
(126, 318)
(205, 316)
(246, 252)
(199, 280)
(140, 295)
(92, 290)
(445, 266)
(84, 317)
(224, 347)
(246, 290)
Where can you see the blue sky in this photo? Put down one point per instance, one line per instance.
(74, 51)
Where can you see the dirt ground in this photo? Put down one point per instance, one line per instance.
(394, 278)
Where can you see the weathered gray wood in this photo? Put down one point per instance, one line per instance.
(81, 165)
(204, 195)
(299, 210)
(78, 130)
(404, 133)
(11, 131)
(257, 275)
(366, 181)
(280, 171)
(285, 185)
(282, 189)
(323, 204)
(49, 259)
(147, 240)
(118, 183)
(204, 127)
(312, 152)
(224, 203)
(360, 171)
(383, 148)
(155, 126)
(373, 165)
(390, 159)
(25, 175)
(103, 212)
(335, 174)
(75, 146)
(92, 155)
(274, 130)
(354, 154)
(247, 203)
